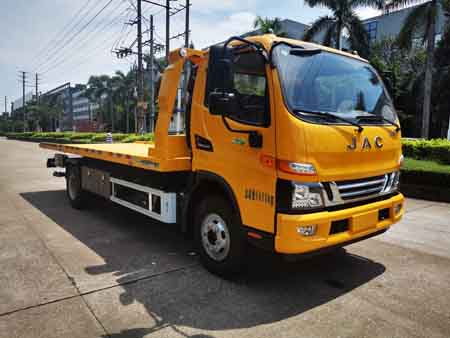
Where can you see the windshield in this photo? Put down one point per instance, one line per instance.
(327, 82)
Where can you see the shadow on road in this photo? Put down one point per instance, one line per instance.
(271, 290)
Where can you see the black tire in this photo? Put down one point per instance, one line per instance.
(232, 261)
(76, 195)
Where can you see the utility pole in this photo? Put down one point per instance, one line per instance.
(24, 76)
(141, 117)
(135, 95)
(187, 29)
(167, 31)
(152, 83)
(6, 104)
(36, 85)
(11, 116)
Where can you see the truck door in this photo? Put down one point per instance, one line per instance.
(223, 146)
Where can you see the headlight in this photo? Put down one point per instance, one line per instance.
(296, 168)
(392, 183)
(306, 196)
(396, 181)
(401, 160)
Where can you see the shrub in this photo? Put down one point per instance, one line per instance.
(435, 150)
(119, 137)
(52, 135)
(81, 136)
(19, 135)
(134, 138)
(99, 138)
(426, 178)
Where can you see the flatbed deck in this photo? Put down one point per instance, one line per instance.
(140, 155)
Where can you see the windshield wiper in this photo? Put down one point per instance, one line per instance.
(332, 116)
(380, 118)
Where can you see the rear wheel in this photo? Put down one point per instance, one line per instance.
(76, 195)
(219, 237)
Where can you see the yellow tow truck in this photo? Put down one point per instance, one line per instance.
(286, 145)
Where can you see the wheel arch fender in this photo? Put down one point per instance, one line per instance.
(205, 182)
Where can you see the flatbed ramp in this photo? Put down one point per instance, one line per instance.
(140, 155)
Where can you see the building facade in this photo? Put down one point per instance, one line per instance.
(390, 25)
(83, 110)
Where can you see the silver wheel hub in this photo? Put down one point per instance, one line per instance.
(215, 237)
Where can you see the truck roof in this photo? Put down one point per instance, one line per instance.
(268, 40)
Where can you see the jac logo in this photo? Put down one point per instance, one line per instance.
(378, 142)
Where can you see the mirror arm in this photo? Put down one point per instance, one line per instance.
(257, 46)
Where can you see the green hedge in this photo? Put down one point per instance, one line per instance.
(426, 185)
(134, 138)
(435, 150)
(72, 137)
(425, 179)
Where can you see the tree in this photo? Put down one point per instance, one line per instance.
(403, 72)
(441, 88)
(269, 26)
(122, 91)
(97, 88)
(344, 17)
(42, 115)
(420, 25)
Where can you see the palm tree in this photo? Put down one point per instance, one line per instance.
(97, 88)
(421, 24)
(344, 17)
(122, 86)
(269, 26)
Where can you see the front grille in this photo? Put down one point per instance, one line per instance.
(355, 189)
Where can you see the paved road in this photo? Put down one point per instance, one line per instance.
(108, 272)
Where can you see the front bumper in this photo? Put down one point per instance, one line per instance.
(362, 221)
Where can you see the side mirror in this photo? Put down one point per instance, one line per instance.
(222, 103)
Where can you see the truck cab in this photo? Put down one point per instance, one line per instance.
(289, 146)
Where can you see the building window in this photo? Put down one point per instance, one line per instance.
(371, 28)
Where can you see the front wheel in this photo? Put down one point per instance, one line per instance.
(219, 237)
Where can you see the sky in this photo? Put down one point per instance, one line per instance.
(55, 39)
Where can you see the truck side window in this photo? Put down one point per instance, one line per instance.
(251, 89)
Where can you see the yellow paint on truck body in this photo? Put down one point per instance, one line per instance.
(252, 173)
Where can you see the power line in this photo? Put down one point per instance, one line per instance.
(126, 31)
(64, 38)
(122, 34)
(62, 31)
(82, 43)
(78, 44)
(100, 47)
(78, 32)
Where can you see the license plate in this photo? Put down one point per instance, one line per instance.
(364, 222)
